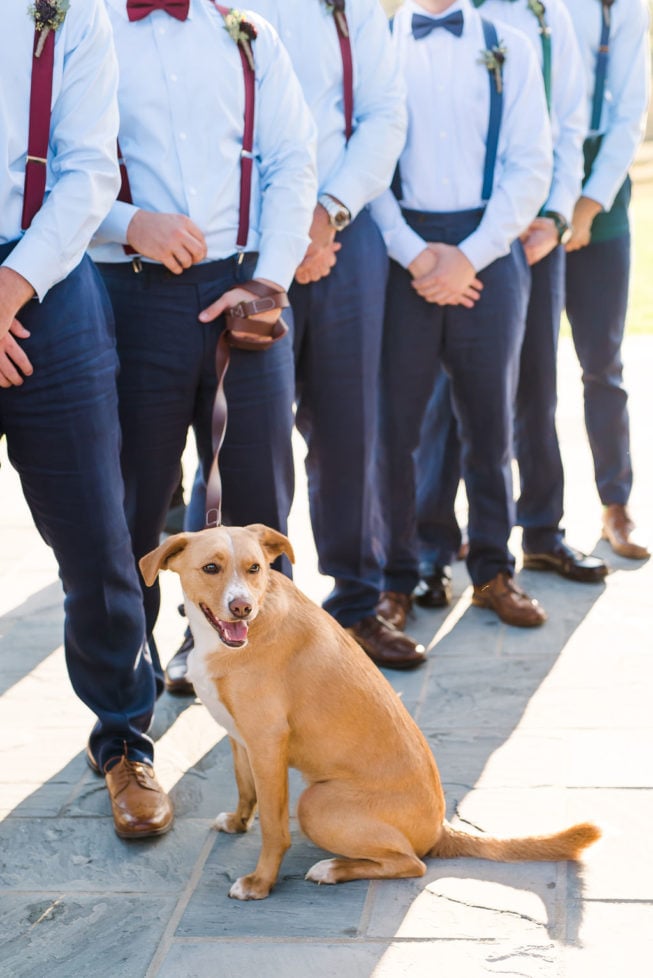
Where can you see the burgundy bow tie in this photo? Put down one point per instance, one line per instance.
(138, 9)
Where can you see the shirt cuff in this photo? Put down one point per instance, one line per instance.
(114, 226)
(480, 250)
(561, 202)
(351, 191)
(602, 190)
(404, 245)
(36, 262)
(278, 263)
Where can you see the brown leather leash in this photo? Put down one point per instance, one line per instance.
(241, 333)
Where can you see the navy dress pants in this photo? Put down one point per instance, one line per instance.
(540, 503)
(167, 384)
(597, 300)
(437, 466)
(63, 438)
(479, 348)
(337, 337)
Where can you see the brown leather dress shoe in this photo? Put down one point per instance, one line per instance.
(394, 607)
(385, 645)
(512, 605)
(569, 563)
(139, 803)
(617, 527)
(176, 674)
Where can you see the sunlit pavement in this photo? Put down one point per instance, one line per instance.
(532, 730)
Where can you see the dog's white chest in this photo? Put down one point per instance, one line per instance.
(207, 690)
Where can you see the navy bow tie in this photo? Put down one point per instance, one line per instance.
(422, 26)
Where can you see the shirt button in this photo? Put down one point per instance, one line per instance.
(192, 191)
(445, 179)
(443, 134)
(173, 78)
(162, 31)
(182, 135)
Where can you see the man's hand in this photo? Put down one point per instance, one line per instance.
(585, 211)
(234, 296)
(172, 239)
(15, 291)
(320, 255)
(443, 275)
(539, 239)
(14, 363)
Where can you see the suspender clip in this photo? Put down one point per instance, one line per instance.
(241, 256)
(247, 154)
(36, 159)
(137, 265)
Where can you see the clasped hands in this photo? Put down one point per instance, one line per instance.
(442, 274)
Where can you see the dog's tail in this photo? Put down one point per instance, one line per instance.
(568, 844)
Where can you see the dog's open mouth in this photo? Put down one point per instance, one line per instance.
(232, 633)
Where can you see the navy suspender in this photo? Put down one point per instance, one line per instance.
(496, 111)
(601, 68)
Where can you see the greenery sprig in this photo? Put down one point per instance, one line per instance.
(48, 15)
(494, 60)
(242, 31)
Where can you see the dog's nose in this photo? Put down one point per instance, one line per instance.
(239, 608)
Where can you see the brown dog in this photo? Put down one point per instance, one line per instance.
(294, 690)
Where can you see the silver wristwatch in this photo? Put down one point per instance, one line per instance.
(339, 216)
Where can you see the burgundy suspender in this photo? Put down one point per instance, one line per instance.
(40, 109)
(342, 28)
(246, 154)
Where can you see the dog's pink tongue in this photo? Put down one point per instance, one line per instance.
(234, 631)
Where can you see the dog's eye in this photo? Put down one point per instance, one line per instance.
(211, 569)
(253, 569)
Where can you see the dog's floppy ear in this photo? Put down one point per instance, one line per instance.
(159, 559)
(273, 542)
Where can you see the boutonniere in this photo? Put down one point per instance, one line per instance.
(337, 8)
(48, 15)
(494, 60)
(242, 31)
(538, 8)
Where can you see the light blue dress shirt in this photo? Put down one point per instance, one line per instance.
(82, 173)
(357, 171)
(181, 98)
(443, 161)
(569, 119)
(625, 99)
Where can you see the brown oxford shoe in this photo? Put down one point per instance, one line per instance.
(385, 645)
(176, 674)
(140, 805)
(569, 563)
(617, 527)
(394, 607)
(511, 604)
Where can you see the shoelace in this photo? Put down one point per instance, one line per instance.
(134, 769)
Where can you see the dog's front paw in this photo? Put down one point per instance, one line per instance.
(322, 872)
(230, 822)
(250, 887)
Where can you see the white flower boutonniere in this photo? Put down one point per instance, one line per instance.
(48, 15)
(242, 31)
(494, 60)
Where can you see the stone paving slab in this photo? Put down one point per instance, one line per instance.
(532, 730)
